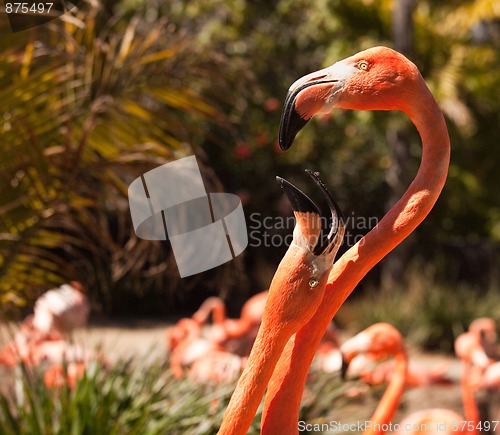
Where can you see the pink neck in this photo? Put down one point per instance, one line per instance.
(291, 302)
(471, 412)
(281, 407)
(253, 381)
(388, 406)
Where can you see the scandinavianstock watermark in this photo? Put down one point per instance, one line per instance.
(277, 231)
(206, 229)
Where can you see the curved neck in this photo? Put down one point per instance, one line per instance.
(290, 375)
(252, 384)
(214, 306)
(389, 403)
(291, 302)
(235, 328)
(471, 411)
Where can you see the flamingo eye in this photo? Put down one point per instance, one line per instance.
(313, 282)
(363, 65)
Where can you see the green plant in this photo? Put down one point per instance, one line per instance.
(125, 399)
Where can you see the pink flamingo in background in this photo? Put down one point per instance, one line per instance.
(375, 79)
(214, 353)
(40, 339)
(56, 312)
(216, 367)
(484, 328)
(61, 310)
(235, 335)
(219, 352)
(416, 377)
(186, 345)
(381, 341)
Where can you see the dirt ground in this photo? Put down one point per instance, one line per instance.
(140, 339)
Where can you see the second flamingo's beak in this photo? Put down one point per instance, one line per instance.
(309, 219)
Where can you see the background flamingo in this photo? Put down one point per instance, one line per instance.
(235, 335)
(381, 341)
(62, 310)
(41, 339)
(214, 352)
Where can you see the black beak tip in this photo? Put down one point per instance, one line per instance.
(343, 369)
(291, 123)
(299, 200)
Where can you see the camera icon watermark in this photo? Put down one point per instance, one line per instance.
(204, 229)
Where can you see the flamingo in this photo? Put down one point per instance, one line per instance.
(40, 339)
(375, 79)
(328, 357)
(221, 355)
(211, 359)
(295, 293)
(56, 312)
(62, 309)
(216, 367)
(235, 335)
(186, 345)
(485, 330)
(382, 340)
(416, 377)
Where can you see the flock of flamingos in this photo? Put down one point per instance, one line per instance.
(279, 333)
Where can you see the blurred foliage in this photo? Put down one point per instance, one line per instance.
(428, 313)
(143, 400)
(89, 103)
(94, 99)
(125, 399)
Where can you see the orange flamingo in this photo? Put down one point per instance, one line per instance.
(235, 335)
(375, 79)
(416, 376)
(295, 293)
(485, 329)
(186, 345)
(188, 342)
(381, 341)
(216, 367)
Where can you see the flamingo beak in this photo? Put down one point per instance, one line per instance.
(293, 120)
(344, 367)
(318, 92)
(303, 206)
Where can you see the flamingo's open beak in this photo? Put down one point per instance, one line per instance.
(305, 208)
(318, 92)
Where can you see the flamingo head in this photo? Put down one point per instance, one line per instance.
(485, 327)
(299, 283)
(468, 348)
(77, 285)
(377, 342)
(375, 79)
